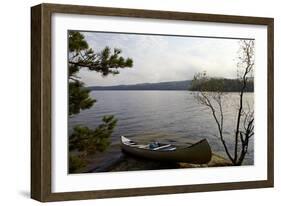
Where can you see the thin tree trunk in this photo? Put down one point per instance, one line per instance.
(239, 114)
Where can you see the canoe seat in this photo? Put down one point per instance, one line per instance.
(162, 147)
(131, 143)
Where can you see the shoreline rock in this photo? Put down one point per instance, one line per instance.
(126, 162)
(216, 161)
(134, 164)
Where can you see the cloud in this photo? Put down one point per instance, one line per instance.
(163, 58)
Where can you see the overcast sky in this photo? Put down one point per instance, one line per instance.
(163, 58)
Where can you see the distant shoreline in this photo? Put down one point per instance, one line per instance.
(230, 85)
(175, 85)
(141, 90)
(160, 90)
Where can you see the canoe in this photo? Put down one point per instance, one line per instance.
(197, 153)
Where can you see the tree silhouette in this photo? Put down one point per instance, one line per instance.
(211, 94)
(82, 56)
(83, 139)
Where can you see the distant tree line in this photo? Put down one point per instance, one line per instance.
(211, 84)
(222, 85)
(173, 85)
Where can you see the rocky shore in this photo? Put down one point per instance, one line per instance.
(129, 163)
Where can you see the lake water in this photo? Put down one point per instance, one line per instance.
(167, 116)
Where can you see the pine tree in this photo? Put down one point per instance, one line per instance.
(85, 140)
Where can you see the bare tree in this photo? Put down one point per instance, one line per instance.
(211, 94)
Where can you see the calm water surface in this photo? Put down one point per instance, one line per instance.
(167, 116)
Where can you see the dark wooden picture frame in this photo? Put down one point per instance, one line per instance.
(41, 101)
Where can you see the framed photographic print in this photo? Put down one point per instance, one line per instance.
(130, 102)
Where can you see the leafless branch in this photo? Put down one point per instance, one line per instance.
(213, 100)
